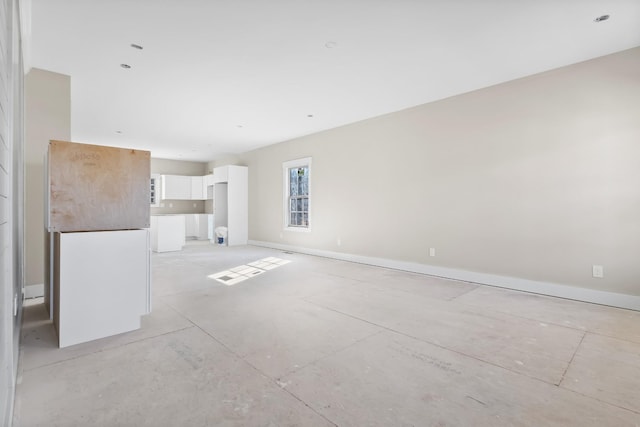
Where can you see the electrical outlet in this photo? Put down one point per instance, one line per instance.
(170, 205)
(598, 271)
(281, 235)
(432, 251)
(339, 242)
(195, 204)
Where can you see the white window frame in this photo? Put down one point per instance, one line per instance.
(306, 161)
(155, 179)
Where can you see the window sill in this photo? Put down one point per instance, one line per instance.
(298, 229)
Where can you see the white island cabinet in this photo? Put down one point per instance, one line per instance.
(167, 233)
(102, 283)
(98, 260)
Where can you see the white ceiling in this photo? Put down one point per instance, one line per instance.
(226, 76)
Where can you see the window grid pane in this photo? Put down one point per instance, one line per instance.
(298, 197)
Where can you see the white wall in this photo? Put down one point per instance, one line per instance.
(535, 179)
(48, 116)
(11, 201)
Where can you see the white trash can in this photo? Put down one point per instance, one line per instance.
(221, 234)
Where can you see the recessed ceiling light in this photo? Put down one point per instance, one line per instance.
(119, 132)
(601, 18)
(309, 115)
(240, 126)
(125, 66)
(136, 46)
(330, 45)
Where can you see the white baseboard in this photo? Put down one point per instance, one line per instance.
(34, 291)
(612, 299)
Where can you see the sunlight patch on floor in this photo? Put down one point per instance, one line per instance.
(243, 272)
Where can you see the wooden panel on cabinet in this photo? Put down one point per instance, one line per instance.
(93, 187)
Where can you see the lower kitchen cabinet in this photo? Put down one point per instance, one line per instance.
(101, 283)
(197, 226)
(167, 233)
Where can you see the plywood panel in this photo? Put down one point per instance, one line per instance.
(95, 188)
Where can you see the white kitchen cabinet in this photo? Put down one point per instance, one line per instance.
(176, 187)
(231, 200)
(210, 229)
(207, 187)
(190, 225)
(203, 226)
(197, 188)
(167, 233)
(102, 283)
(197, 226)
(221, 174)
(180, 187)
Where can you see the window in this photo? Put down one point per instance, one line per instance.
(155, 190)
(297, 200)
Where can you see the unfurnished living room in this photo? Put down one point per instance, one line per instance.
(319, 213)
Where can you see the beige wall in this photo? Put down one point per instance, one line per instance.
(47, 116)
(178, 167)
(537, 178)
(231, 159)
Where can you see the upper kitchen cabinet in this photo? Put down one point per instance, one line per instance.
(176, 187)
(221, 174)
(197, 188)
(180, 187)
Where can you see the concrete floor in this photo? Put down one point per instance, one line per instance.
(319, 342)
